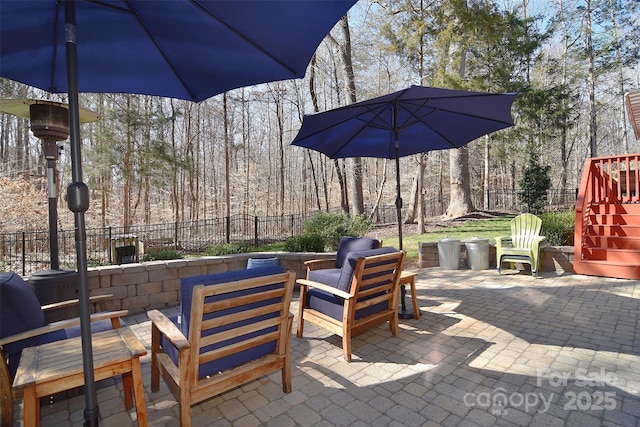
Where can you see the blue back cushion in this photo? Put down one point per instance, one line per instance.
(262, 262)
(20, 312)
(237, 359)
(346, 274)
(187, 284)
(19, 307)
(349, 244)
(328, 276)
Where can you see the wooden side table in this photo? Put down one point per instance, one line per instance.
(55, 367)
(409, 278)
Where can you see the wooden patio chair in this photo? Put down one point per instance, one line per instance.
(234, 328)
(23, 324)
(366, 295)
(523, 245)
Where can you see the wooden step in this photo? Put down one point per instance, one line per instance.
(613, 230)
(615, 219)
(615, 208)
(612, 242)
(607, 269)
(624, 256)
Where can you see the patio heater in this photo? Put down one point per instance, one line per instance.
(50, 123)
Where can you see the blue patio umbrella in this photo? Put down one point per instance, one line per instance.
(413, 120)
(187, 49)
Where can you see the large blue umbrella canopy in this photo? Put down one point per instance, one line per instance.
(188, 49)
(413, 120)
(179, 48)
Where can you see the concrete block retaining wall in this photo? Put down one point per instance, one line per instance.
(553, 258)
(140, 287)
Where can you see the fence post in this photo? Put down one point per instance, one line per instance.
(175, 236)
(255, 229)
(24, 255)
(110, 236)
(228, 229)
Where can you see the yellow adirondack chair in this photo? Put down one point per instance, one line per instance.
(524, 243)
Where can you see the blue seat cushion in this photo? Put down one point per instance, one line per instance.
(348, 244)
(232, 361)
(333, 306)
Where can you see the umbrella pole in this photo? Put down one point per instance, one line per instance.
(78, 202)
(403, 313)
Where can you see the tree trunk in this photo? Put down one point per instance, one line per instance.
(460, 198)
(460, 187)
(350, 83)
(591, 80)
(127, 169)
(344, 199)
(485, 181)
(422, 163)
(227, 184)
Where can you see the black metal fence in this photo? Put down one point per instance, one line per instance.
(28, 251)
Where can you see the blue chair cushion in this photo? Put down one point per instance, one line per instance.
(262, 262)
(19, 307)
(328, 276)
(333, 306)
(20, 312)
(229, 362)
(346, 273)
(349, 244)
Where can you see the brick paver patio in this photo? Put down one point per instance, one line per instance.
(489, 349)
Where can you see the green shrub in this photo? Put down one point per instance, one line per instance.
(333, 226)
(312, 242)
(558, 227)
(533, 185)
(227, 249)
(163, 255)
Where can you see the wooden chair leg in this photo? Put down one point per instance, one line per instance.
(31, 408)
(303, 297)
(6, 403)
(346, 346)
(127, 386)
(138, 393)
(185, 410)
(393, 325)
(286, 369)
(155, 348)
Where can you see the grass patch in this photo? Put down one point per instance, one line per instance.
(489, 228)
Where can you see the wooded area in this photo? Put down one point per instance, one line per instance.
(151, 160)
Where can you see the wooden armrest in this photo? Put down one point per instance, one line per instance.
(316, 264)
(63, 324)
(97, 299)
(167, 328)
(323, 287)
